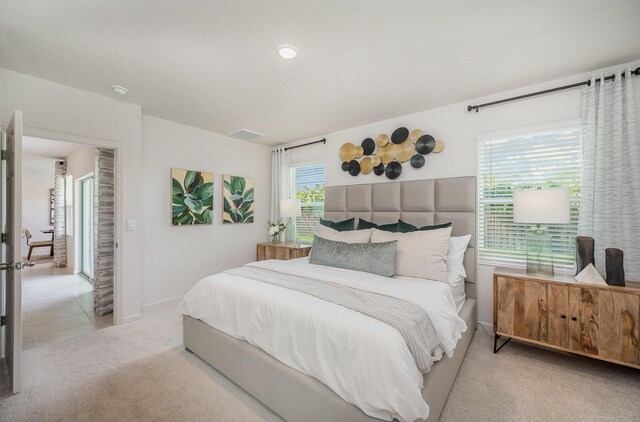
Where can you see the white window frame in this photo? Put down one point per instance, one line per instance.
(573, 125)
(292, 169)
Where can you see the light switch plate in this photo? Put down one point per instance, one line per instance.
(131, 225)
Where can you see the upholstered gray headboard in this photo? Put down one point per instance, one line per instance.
(419, 202)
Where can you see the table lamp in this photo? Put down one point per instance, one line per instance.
(290, 208)
(541, 206)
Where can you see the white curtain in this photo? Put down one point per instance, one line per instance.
(611, 170)
(280, 183)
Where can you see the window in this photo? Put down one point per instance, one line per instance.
(550, 158)
(308, 185)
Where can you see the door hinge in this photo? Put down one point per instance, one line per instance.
(3, 155)
(3, 238)
(3, 321)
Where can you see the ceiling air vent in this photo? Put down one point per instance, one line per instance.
(246, 134)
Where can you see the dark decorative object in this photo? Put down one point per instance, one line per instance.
(368, 145)
(379, 169)
(400, 135)
(393, 170)
(354, 167)
(585, 247)
(417, 161)
(345, 166)
(425, 144)
(614, 263)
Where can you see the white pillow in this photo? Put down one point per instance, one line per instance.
(351, 236)
(455, 256)
(421, 254)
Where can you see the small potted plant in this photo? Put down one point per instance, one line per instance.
(274, 231)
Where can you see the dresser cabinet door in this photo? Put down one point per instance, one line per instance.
(604, 323)
(557, 315)
(521, 308)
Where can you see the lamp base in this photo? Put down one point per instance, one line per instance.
(539, 252)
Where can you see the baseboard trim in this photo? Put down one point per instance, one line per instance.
(486, 326)
(159, 302)
(132, 318)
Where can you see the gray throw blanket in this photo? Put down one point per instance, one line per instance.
(409, 319)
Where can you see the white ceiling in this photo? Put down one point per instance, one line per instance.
(213, 64)
(48, 148)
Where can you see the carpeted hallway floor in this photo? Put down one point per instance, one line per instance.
(140, 371)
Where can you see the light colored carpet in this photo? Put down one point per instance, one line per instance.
(140, 371)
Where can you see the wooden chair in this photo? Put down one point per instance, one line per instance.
(37, 243)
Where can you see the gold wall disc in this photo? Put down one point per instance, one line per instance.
(439, 146)
(347, 152)
(365, 165)
(414, 135)
(386, 153)
(382, 139)
(375, 161)
(404, 151)
(359, 151)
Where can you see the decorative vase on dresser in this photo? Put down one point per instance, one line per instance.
(556, 311)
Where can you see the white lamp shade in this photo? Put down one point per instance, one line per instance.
(542, 206)
(290, 208)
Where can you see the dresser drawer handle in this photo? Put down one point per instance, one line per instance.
(563, 316)
(574, 319)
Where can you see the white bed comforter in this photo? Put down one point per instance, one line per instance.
(364, 361)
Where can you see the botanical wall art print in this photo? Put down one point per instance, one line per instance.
(237, 193)
(191, 197)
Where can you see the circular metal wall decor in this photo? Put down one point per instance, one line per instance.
(399, 135)
(379, 169)
(347, 152)
(414, 135)
(345, 166)
(404, 151)
(359, 151)
(376, 161)
(386, 153)
(382, 139)
(354, 167)
(365, 165)
(393, 170)
(425, 144)
(439, 146)
(369, 146)
(417, 161)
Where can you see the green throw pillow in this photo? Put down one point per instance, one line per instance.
(341, 226)
(406, 227)
(364, 224)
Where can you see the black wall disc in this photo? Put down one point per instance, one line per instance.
(417, 161)
(368, 145)
(400, 135)
(345, 166)
(393, 170)
(379, 169)
(354, 167)
(425, 144)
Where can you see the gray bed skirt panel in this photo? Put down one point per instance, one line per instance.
(299, 397)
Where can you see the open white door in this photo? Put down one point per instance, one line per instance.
(12, 259)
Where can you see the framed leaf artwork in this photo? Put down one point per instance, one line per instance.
(191, 197)
(237, 194)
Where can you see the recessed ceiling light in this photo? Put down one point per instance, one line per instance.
(120, 90)
(287, 51)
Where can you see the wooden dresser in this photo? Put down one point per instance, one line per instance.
(283, 251)
(556, 311)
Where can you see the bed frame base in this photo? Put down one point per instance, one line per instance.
(299, 397)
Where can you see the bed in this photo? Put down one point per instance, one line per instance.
(299, 396)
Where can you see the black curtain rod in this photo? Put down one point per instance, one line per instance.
(546, 91)
(323, 140)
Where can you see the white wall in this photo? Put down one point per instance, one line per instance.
(171, 255)
(79, 164)
(458, 129)
(37, 180)
(60, 112)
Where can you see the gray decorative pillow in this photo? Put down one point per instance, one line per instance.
(375, 258)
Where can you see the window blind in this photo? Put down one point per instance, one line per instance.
(540, 159)
(308, 183)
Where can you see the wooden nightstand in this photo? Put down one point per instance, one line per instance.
(283, 251)
(600, 322)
